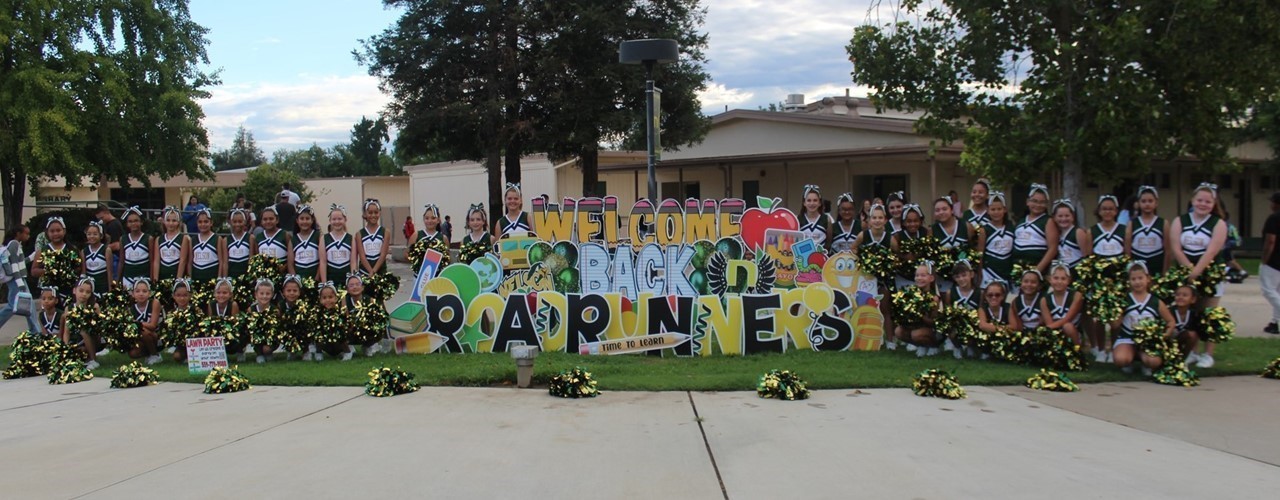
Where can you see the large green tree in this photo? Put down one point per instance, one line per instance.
(243, 153)
(367, 140)
(1095, 89)
(99, 90)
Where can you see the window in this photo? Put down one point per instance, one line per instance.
(672, 190)
(750, 190)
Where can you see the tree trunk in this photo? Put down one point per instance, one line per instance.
(493, 165)
(1072, 179)
(590, 172)
(514, 147)
(13, 194)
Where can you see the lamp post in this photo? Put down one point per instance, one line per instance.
(650, 52)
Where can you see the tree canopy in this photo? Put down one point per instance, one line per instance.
(243, 153)
(99, 90)
(1095, 89)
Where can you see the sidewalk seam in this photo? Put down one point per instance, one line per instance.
(707, 443)
(228, 443)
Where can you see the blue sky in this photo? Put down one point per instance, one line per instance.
(288, 75)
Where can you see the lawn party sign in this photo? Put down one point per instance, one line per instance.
(696, 278)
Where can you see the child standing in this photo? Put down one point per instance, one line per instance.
(305, 258)
(174, 247)
(373, 239)
(207, 251)
(95, 256)
(341, 257)
(240, 245)
(137, 248)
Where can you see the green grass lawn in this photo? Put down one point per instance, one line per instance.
(1245, 356)
(1250, 265)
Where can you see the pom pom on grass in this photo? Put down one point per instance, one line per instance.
(133, 375)
(223, 380)
(937, 383)
(782, 384)
(386, 382)
(575, 383)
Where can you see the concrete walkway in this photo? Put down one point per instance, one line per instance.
(1109, 441)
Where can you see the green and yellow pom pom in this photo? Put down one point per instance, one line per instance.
(1272, 370)
(782, 384)
(1217, 325)
(386, 382)
(1150, 337)
(912, 305)
(575, 383)
(877, 261)
(367, 322)
(61, 269)
(937, 383)
(958, 323)
(223, 380)
(178, 326)
(69, 371)
(1176, 373)
(34, 355)
(381, 286)
(418, 252)
(133, 375)
(1051, 381)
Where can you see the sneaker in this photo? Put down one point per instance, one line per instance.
(373, 349)
(261, 359)
(958, 353)
(346, 356)
(1127, 369)
(911, 348)
(890, 345)
(1192, 359)
(153, 359)
(1099, 356)
(1272, 328)
(1110, 358)
(306, 356)
(318, 356)
(1146, 372)
(933, 351)
(984, 356)
(1206, 360)
(311, 348)
(970, 352)
(107, 350)
(920, 351)
(171, 349)
(92, 365)
(278, 350)
(948, 346)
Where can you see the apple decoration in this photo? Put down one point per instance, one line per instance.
(767, 215)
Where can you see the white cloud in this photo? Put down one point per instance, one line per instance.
(716, 96)
(314, 108)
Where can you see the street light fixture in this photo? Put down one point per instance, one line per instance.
(650, 52)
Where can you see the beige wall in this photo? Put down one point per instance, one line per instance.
(745, 137)
(455, 186)
(389, 191)
(348, 192)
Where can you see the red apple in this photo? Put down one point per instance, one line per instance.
(817, 259)
(768, 215)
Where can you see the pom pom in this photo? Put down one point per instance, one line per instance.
(367, 322)
(911, 251)
(1150, 337)
(1206, 285)
(782, 384)
(386, 382)
(119, 331)
(469, 251)
(61, 269)
(227, 327)
(178, 326)
(133, 375)
(264, 327)
(1104, 282)
(1176, 374)
(1272, 370)
(877, 260)
(223, 380)
(295, 327)
(1051, 381)
(1217, 325)
(575, 383)
(327, 326)
(381, 286)
(937, 383)
(34, 355)
(418, 252)
(912, 306)
(261, 266)
(69, 371)
(959, 323)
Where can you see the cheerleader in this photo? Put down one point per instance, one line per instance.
(476, 242)
(374, 241)
(912, 219)
(1061, 308)
(208, 251)
(1144, 235)
(953, 233)
(137, 248)
(1035, 241)
(430, 226)
(328, 297)
(1027, 303)
(56, 232)
(897, 202)
(1140, 304)
(238, 247)
(815, 223)
(1201, 236)
(962, 294)
(922, 335)
(877, 235)
(340, 256)
(276, 243)
(223, 306)
(264, 294)
(1074, 243)
(514, 220)
(1107, 235)
(95, 256)
(305, 258)
(997, 251)
(82, 340)
(355, 295)
(1187, 325)
(173, 246)
(976, 214)
(847, 227)
(146, 313)
(181, 302)
(290, 301)
(49, 317)
(996, 294)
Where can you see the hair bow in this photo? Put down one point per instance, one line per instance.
(223, 281)
(912, 207)
(133, 210)
(1038, 187)
(1058, 264)
(1148, 189)
(368, 202)
(844, 197)
(181, 283)
(1106, 197)
(53, 219)
(994, 196)
(306, 209)
(513, 186)
(1208, 185)
(338, 208)
(811, 188)
(431, 207)
(1137, 264)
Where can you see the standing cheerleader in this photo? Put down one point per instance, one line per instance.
(275, 243)
(1027, 303)
(953, 234)
(912, 219)
(874, 237)
(1108, 235)
(82, 340)
(1074, 243)
(847, 227)
(374, 241)
(1201, 236)
(976, 214)
(207, 250)
(1035, 241)
(430, 226)
(1140, 304)
(896, 202)
(137, 248)
(56, 231)
(173, 246)
(305, 258)
(1144, 235)
(514, 220)
(476, 242)
(1061, 308)
(340, 256)
(146, 312)
(815, 222)
(997, 253)
(95, 256)
(240, 245)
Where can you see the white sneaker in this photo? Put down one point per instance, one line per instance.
(911, 348)
(958, 353)
(306, 356)
(1127, 369)
(153, 359)
(984, 356)
(890, 345)
(920, 351)
(970, 352)
(171, 349)
(373, 349)
(1110, 358)
(278, 350)
(1205, 360)
(261, 359)
(311, 348)
(346, 356)
(92, 365)
(1099, 356)
(1192, 359)
(948, 346)
(1146, 372)
(248, 348)
(105, 351)
(318, 357)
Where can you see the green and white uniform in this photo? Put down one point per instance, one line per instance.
(997, 257)
(1108, 243)
(371, 243)
(1069, 250)
(1148, 242)
(843, 238)
(170, 255)
(968, 301)
(337, 256)
(306, 254)
(1028, 312)
(275, 245)
(204, 258)
(95, 266)
(238, 253)
(137, 259)
(1134, 312)
(1030, 241)
(977, 219)
(1195, 239)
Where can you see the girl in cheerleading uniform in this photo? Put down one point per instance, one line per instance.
(1027, 304)
(1035, 241)
(137, 248)
(146, 312)
(239, 247)
(208, 254)
(476, 242)
(847, 227)
(814, 221)
(95, 258)
(976, 214)
(375, 243)
(514, 220)
(1074, 243)
(897, 201)
(1062, 307)
(305, 258)
(173, 246)
(1144, 235)
(1139, 305)
(341, 257)
(276, 243)
(1201, 236)
(997, 252)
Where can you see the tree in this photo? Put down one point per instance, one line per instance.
(367, 139)
(99, 90)
(312, 162)
(244, 153)
(1094, 89)
(589, 97)
(261, 186)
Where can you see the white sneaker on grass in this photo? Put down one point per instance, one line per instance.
(1192, 359)
(1205, 360)
(278, 350)
(1110, 358)
(318, 357)
(890, 345)
(920, 351)
(153, 359)
(911, 348)
(346, 356)
(1127, 369)
(92, 365)
(306, 356)
(171, 349)
(948, 346)
(1099, 356)
(105, 351)
(373, 349)
(261, 359)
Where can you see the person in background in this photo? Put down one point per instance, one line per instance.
(287, 190)
(15, 270)
(447, 228)
(1130, 209)
(112, 228)
(956, 209)
(1235, 271)
(253, 225)
(1269, 271)
(408, 228)
(188, 216)
(287, 211)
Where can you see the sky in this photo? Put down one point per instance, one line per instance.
(289, 77)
